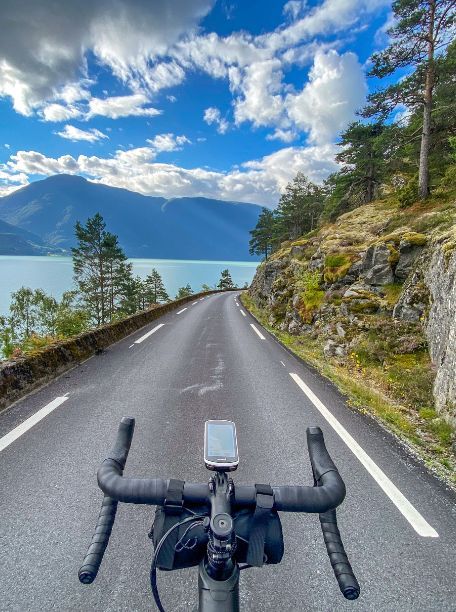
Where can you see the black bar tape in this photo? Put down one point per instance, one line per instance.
(91, 564)
(341, 565)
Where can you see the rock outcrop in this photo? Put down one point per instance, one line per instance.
(440, 328)
(356, 283)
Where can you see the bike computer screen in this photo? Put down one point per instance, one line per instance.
(220, 446)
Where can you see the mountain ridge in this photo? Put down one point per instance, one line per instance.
(147, 226)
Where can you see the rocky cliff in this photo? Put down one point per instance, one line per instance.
(376, 291)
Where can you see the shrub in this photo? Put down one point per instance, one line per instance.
(336, 266)
(408, 195)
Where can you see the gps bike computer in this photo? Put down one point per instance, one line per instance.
(220, 446)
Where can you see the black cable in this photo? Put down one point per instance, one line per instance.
(153, 568)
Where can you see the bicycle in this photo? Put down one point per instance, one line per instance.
(228, 528)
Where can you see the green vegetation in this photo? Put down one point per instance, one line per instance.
(225, 282)
(402, 409)
(106, 291)
(184, 292)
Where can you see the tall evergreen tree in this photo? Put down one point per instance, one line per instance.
(262, 239)
(225, 282)
(155, 291)
(422, 29)
(299, 208)
(364, 158)
(100, 268)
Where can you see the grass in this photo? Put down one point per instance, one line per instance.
(429, 436)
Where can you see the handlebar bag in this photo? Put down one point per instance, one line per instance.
(195, 541)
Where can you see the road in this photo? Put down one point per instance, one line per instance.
(211, 360)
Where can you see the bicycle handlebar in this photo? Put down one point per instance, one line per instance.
(328, 495)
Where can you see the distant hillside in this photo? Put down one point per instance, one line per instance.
(178, 228)
(17, 241)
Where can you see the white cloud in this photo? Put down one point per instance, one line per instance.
(168, 142)
(260, 101)
(58, 112)
(212, 115)
(327, 103)
(283, 135)
(294, 8)
(259, 181)
(121, 106)
(43, 44)
(7, 146)
(171, 99)
(73, 133)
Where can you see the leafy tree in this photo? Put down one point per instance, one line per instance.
(70, 319)
(7, 337)
(184, 292)
(23, 311)
(299, 208)
(225, 282)
(262, 239)
(422, 29)
(155, 291)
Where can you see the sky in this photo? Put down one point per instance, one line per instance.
(224, 99)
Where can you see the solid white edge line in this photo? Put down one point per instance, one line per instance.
(18, 431)
(419, 524)
(243, 313)
(257, 331)
(149, 333)
(181, 311)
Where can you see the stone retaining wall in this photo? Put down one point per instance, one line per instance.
(22, 375)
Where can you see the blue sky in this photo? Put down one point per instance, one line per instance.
(225, 99)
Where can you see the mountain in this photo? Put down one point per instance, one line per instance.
(177, 228)
(17, 241)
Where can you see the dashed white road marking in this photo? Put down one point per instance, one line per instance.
(419, 524)
(181, 311)
(243, 313)
(149, 333)
(282, 363)
(201, 299)
(257, 331)
(132, 345)
(18, 431)
(195, 303)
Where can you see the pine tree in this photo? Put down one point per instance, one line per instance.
(364, 158)
(155, 291)
(262, 239)
(299, 208)
(225, 282)
(101, 270)
(422, 28)
(184, 292)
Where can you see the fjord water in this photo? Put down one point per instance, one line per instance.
(55, 274)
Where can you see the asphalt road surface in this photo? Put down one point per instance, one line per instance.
(211, 360)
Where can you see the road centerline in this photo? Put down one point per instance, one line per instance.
(149, 333)
(257, 331)
(419, 524)
(21, 429)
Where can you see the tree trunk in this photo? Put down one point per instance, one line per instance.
(423, 176)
